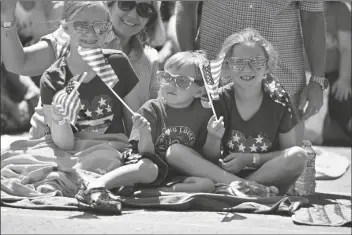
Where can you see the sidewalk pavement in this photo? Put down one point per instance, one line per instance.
(16, 221)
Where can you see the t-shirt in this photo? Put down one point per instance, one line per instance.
(186, 126)
(338, 18)
(101, 111)
(260, 133)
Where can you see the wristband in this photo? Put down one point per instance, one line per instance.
(8, 24)
(256, 160)
(61, 122)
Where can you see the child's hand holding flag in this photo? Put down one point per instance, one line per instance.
(66, 102)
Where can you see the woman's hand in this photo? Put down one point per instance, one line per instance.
(8, 10)
(341, 89)
(140, 123)
(235, 162)
(215, 127)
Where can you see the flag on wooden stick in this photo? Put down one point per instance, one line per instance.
(96, 60)
(69, 99)
(211, 74)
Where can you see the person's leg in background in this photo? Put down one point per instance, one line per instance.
(295, 98)
(338, 118)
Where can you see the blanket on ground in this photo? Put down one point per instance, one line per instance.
(35, 174)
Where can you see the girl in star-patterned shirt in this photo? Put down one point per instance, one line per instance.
(259, 143)
(101, 111)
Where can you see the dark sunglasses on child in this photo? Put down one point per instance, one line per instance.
(143, 9)
(183, 82)
(99, 27)
(238, 63)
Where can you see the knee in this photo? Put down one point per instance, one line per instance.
(297, 159)
(148, 170)
(174, 153)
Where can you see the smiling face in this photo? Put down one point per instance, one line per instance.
(177, 97)
(87, 16)
(249, 75)
(127, 22)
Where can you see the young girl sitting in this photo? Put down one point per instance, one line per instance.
(259, 120)
(160, 125)
(86, 23)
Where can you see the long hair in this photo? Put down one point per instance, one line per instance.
(72, 8)
(250, 35)
(154, 27)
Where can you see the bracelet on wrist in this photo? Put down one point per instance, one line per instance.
(256, 160)
(8, 24)
(60, 122)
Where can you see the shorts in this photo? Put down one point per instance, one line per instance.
(132, 156)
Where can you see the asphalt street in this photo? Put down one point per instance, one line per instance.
(20, 221)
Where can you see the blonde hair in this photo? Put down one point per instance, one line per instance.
(188, 59)
(72, 8)
(249, 35)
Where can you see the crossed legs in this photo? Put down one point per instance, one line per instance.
(284, 168)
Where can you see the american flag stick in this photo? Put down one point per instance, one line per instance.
(80, 80)
(121, 100)
(209, 96)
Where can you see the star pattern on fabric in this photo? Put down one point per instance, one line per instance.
(276, 91)
(99, 111)
(239, 143)
(102, 102)
(98, 108)
(108, 108)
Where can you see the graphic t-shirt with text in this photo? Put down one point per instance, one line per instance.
(186, 126)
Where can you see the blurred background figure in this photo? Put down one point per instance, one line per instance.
(171, 45)
(337, 126)
(37, 18)
(19, 96)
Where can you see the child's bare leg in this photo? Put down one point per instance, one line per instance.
(193, 185)
(188, 161)
(282, 170)
(192, 163)
(144, 171)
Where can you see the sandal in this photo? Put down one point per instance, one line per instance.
(99, 199)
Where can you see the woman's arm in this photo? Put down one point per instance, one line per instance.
(186, 24)
(29, 61)
(342, 87)
(62, 135)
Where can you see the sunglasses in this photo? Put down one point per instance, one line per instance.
(143, 9)
(183, 82)
(99, 27)
(238, 63)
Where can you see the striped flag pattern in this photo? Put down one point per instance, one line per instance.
(69, 99)
(211, 73)
(96, 60)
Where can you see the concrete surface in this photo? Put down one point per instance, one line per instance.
(16, 221)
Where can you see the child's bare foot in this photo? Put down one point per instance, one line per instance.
(242, 188)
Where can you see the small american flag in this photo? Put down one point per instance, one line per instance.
(69, 99)
(96, 60)
(211, 72)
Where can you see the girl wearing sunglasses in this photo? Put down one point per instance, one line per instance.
(261, 125)
(135, 27)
